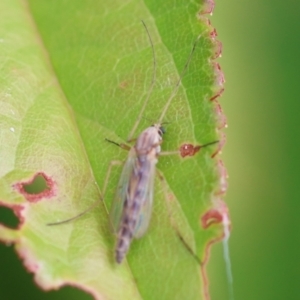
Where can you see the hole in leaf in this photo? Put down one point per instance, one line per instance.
(37, 186)
(12, 268)
(8, 217)
(66, 292)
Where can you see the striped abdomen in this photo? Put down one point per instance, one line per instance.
(137, 195)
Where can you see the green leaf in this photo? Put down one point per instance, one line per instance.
(72, 74)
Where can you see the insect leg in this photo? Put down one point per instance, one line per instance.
(167, 153)
(123, 146)
(194, 149)
(77, 216)
(179, 81)
(112, 164)
(132, 140)
(174, 224)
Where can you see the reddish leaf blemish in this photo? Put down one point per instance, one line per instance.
(218, 47)
(191, 150)
(221, 119)
(47, 190)
(216, 215)
(219, 74)
(213, 34)
(123, 85)
(219, 81)
(212, 216)
(208, 7)
(188, 150)
(219, 214)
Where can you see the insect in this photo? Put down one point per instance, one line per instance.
(131, 210)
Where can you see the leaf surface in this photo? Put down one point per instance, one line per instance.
(72, 74)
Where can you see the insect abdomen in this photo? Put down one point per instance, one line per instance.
(123, 243)
(126, 230)
(136, 195)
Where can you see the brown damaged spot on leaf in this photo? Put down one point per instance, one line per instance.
(219, 81)
(220, 117)
(123, 85)
(218, 215)
(191, 150)
(218, 46)
(219, 212)
(212, 216)
(39, 187)
(208, 7)
(188, 150)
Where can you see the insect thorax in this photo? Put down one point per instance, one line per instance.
(149, 140)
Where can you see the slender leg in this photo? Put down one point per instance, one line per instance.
(131, 140)
(111, 165)
(123, 146)
(174, 224)
(167, 153)
(108, 173)
(77, 216)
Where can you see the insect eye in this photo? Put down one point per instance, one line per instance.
(162, 130)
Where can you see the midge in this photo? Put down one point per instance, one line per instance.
(131, 210)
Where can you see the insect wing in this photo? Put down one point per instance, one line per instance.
(145, 212)
(116, 210)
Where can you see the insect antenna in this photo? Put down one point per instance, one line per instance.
(179, 81)
(150, 88)
(208, 144)
(77, 216)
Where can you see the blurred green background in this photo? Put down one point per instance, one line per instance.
(261, 41)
